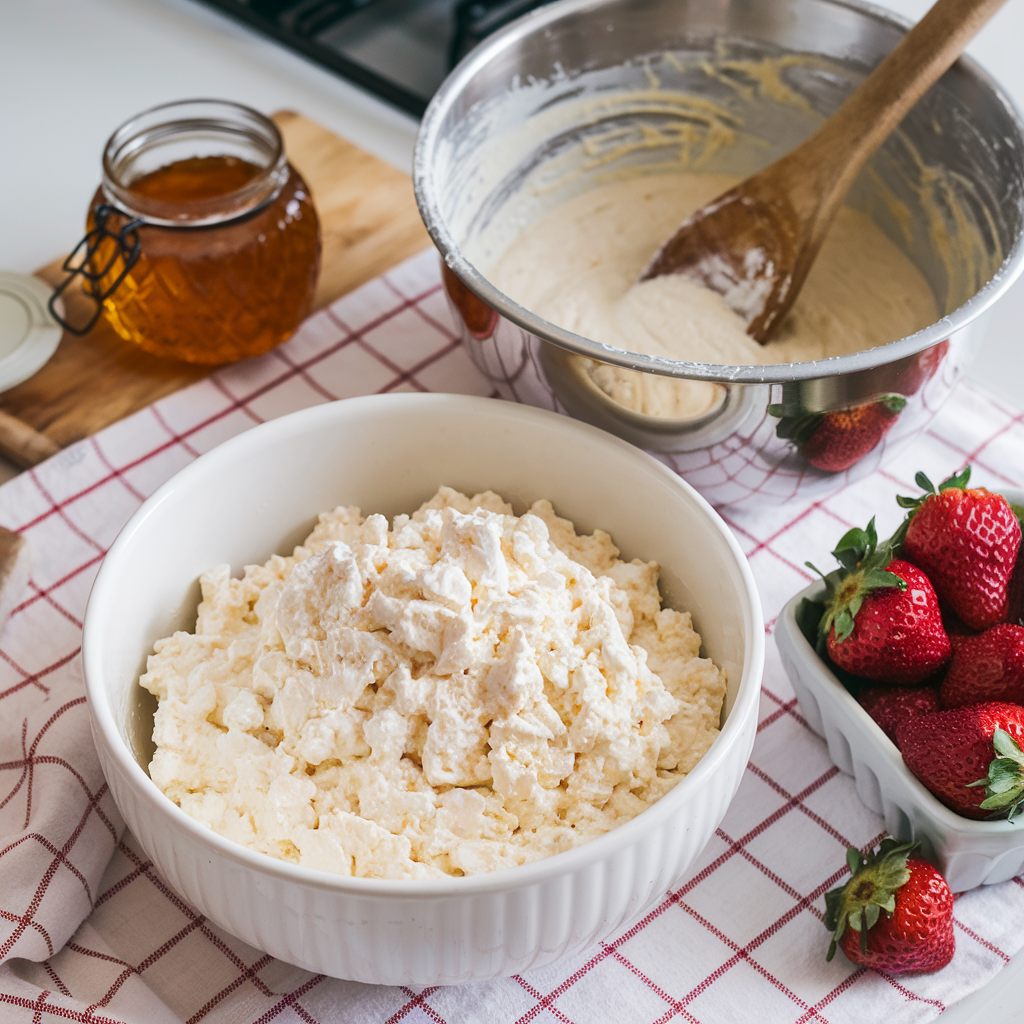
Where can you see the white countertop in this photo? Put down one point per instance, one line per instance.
(72, 70)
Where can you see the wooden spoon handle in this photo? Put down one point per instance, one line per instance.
(863, 122)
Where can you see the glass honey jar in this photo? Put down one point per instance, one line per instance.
(202, 240)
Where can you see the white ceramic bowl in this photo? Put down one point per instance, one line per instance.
(259, 493)
(968, 852)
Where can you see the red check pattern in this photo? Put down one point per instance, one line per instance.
(90, 932)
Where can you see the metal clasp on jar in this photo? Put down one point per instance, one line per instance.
(80, 263)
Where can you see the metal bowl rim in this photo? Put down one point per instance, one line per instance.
(778, 373)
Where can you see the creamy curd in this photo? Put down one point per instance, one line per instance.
(464, 692)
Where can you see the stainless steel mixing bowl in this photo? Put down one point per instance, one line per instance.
(582, 91)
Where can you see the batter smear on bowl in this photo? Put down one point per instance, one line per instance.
(465, 692)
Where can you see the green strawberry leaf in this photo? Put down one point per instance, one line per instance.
(824, 576)
(862, 571)
(1002, 801)
(1003, 776)
(925, 484)
(1006, 746)
(808, 616)
(871, 912)
(856, 545)
(844, 621)
(797, 428)
(850, 550)
(958, 481)
(830, 580)
(854, 860)
(1004, 782)
(833, 903)
(882, 579)
(894, 545)
(1014, 810)
(892, 870)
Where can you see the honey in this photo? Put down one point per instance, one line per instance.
(195, 178)
(229, 246)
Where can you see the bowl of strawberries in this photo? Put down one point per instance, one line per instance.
(909, 660)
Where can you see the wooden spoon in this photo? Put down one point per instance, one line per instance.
(755, 244)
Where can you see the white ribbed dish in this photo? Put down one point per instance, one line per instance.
(259, 493)
(969, 853)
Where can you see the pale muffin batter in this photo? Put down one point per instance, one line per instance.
(464, 692)
(577, 266)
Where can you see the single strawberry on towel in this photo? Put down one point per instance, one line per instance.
(881, 619)
(969, 757)
(966, 540)
(986, 667)
(895, 914)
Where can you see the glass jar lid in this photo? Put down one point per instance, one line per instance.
(29, 334)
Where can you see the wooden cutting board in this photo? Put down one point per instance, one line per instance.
(369, 222)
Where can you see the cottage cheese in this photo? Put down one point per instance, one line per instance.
(463, 693)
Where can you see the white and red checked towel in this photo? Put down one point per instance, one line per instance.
(88, 930)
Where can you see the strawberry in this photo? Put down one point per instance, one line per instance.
(955, 753)
(834, 441)
(956, 629)
(924, 367)
(479, 318)
(966, 540)
(895, 914)
(986, 667)
(890, 706)
(1015, 596)
(845, 437)
(898, 635)
(881, 617)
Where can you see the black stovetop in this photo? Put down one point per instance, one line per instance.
(399, 49)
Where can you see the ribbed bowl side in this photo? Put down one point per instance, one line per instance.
(446, 940)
